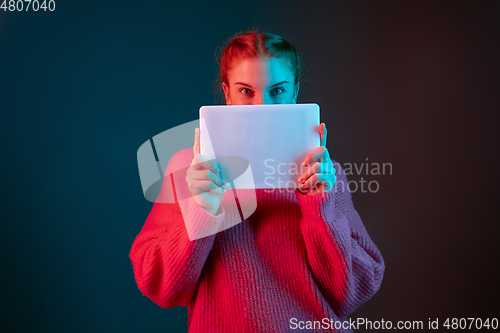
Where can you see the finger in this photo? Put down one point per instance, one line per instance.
(320, 153)
(201, 162)
(302, 190)
(327, 180)
(210, 164)
(317, 167)
(324, 181)
(196, 146)
(323, 133)
(307, 184)
(206, 185)
(220, 190)
(206, 175)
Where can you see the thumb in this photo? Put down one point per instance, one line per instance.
(323, 132)
(196, 147)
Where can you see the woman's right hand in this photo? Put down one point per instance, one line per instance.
(203, 179)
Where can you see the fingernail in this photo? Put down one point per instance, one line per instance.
(303, 185)
(301, 180)
(305, 163)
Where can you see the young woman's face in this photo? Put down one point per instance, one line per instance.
(260, 81)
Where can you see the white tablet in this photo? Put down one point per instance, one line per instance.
(260, 146)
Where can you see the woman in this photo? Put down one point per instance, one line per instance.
(303, 259)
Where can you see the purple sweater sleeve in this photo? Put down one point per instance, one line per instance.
(345, 263)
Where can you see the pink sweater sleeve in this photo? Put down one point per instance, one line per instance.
(346, 265)
(167, 264)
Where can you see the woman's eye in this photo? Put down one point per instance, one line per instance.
(277, 91)
(245, 91)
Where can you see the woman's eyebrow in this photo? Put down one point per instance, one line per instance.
(249, 86)
(279, 83)
(243, 84)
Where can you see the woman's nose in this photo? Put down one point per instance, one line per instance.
(261, 99)
(258, 99)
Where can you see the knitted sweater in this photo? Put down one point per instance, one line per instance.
(297, 259)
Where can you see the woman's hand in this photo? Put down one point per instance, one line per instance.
(203, 180)
(320, 177)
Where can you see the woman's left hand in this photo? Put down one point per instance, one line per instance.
(320, 176)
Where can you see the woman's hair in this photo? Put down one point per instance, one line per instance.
(253, 44)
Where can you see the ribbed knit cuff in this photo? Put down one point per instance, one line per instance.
(199, 222)
(319, 207)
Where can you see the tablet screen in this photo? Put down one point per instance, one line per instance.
(260, 146)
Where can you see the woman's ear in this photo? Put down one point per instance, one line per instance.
(226, 93)
(296, 93)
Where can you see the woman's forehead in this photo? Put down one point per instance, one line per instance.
(260, 71)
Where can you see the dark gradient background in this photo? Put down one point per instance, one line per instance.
(414, 84)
